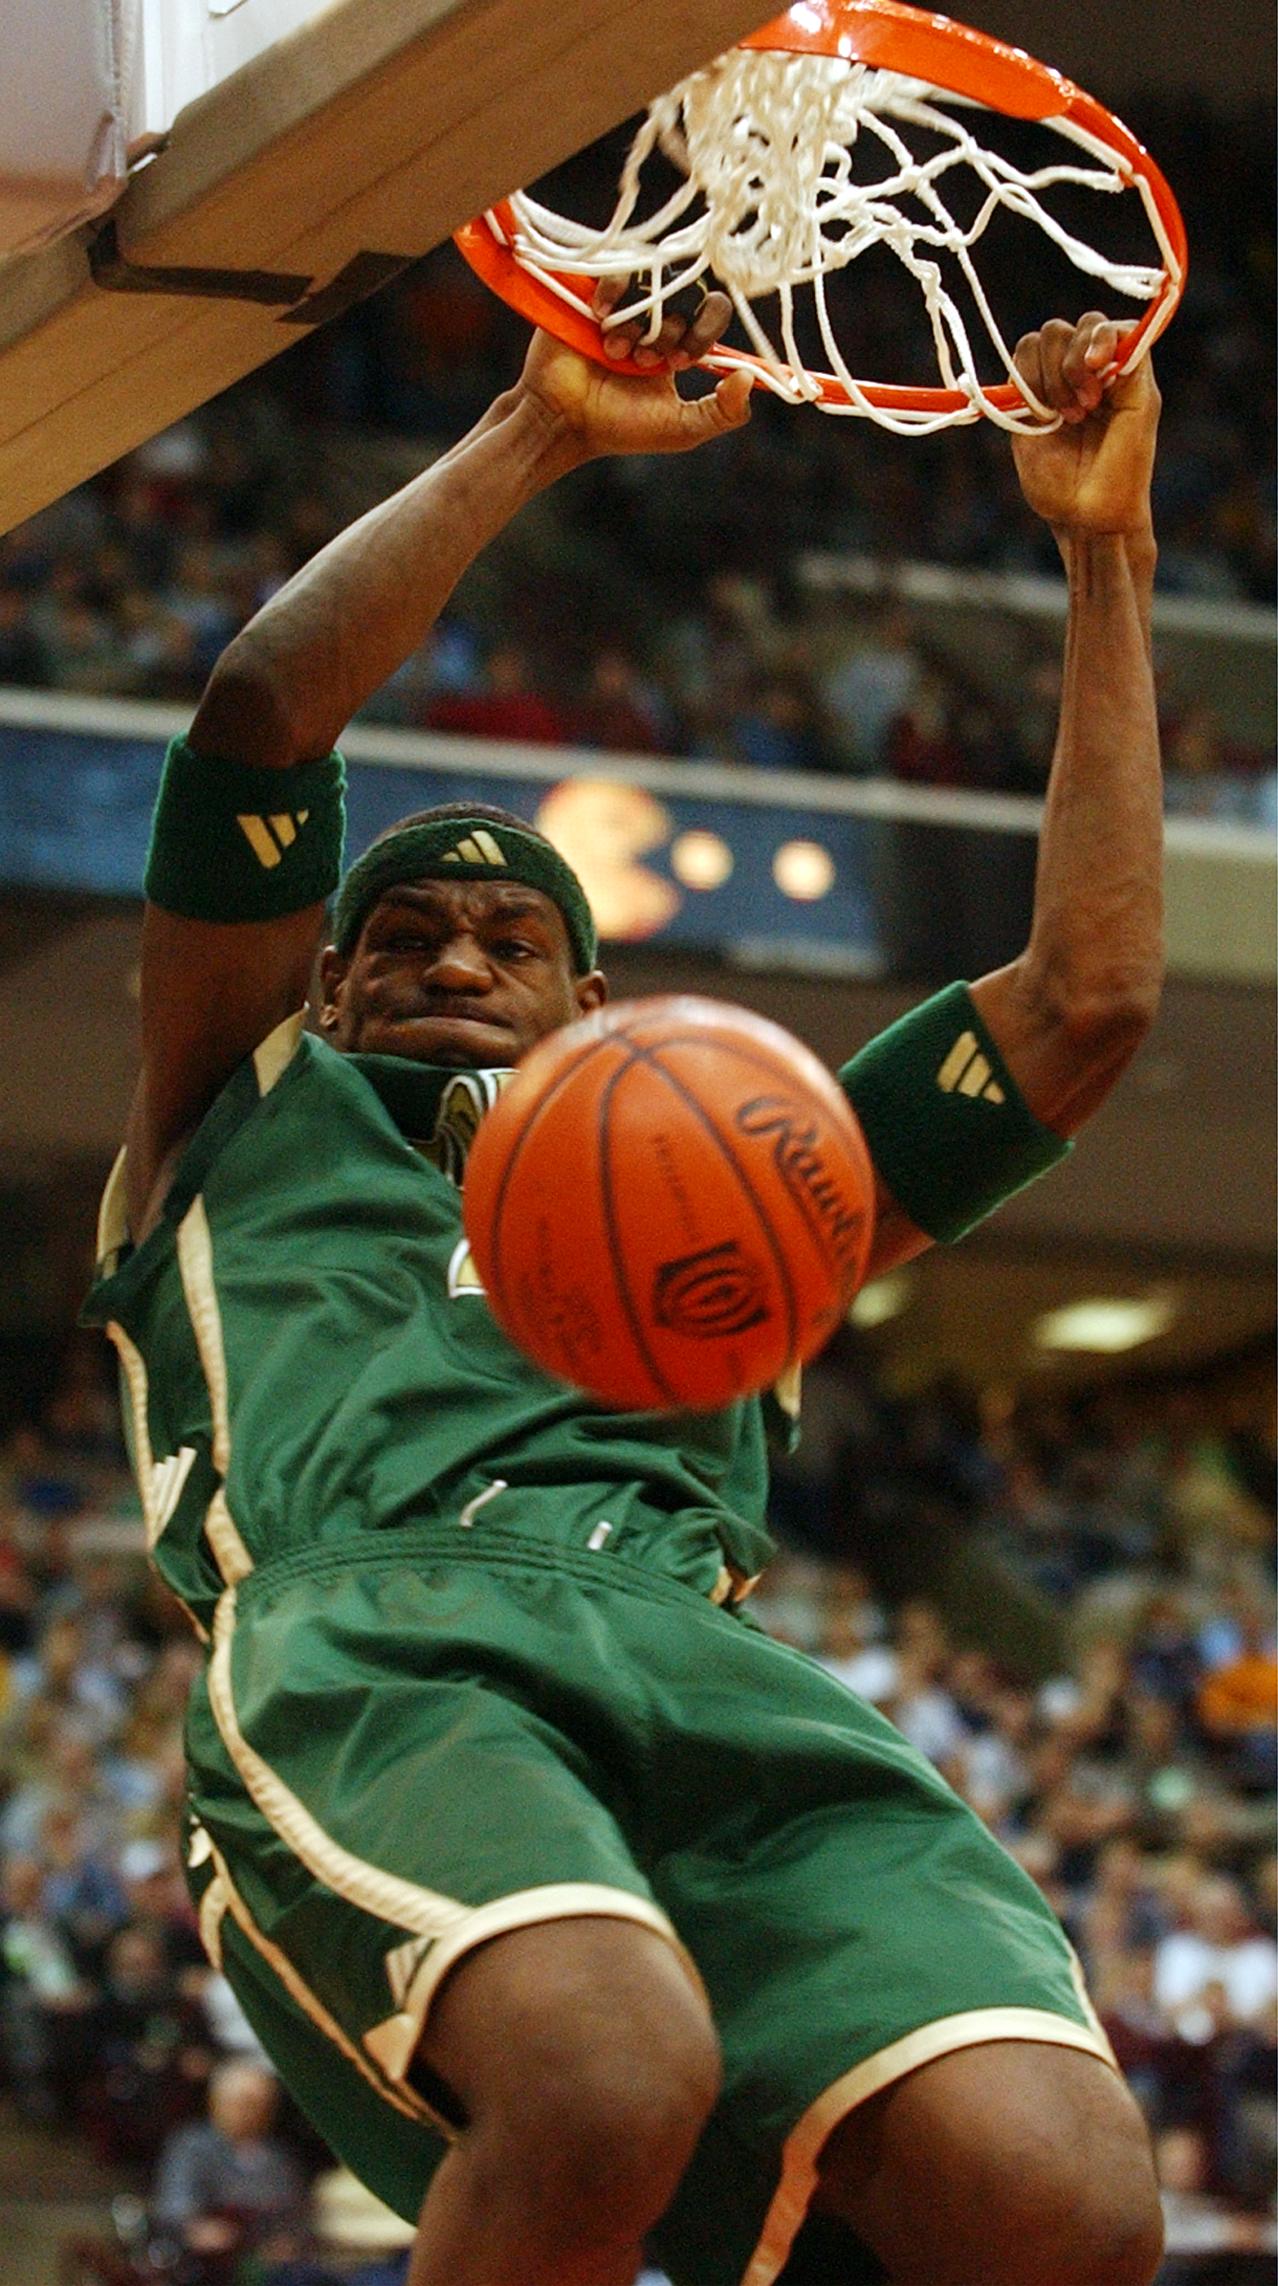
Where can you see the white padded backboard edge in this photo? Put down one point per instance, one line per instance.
(306, 178)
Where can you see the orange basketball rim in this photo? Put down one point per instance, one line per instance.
(898, 64)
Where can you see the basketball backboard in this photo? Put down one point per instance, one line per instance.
(306, 169)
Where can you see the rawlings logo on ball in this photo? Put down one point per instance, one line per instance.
(802, 1167)
(716, 1291)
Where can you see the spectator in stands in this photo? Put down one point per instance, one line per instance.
(618, 711)
(44, 2001)
(83, 1895)
(1120, 1912)
(17, 1596)
(1207, 2244)
(53, 1758)
(709, 657)
(197, 598)
(779, 725)
(149, 2052)
(872, 687)
(506, 704)
(227, 2185)
(920, 743)
(1166, 1661)
(1220, 1972)
(24, 657)
(1237, 1704)
(158, 1903)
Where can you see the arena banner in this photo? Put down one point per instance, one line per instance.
(762, 877)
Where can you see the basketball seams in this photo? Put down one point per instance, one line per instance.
(764, 1064)
(745, 1054)
(768, 1067)
(673, 1081)
(616, 1254)
(493, 1279)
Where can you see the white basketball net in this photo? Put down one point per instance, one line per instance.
(765, 142)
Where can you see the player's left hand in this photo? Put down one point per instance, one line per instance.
(1091, 475)
(638, 412)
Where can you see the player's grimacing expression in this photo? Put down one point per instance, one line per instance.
(460, 973)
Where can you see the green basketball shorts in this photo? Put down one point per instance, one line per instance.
(400, 1751)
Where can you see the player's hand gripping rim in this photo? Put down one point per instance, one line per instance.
(1092, 475)
(641, 411)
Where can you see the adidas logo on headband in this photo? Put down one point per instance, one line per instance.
(479, 848)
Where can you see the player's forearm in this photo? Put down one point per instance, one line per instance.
(1097, 933)
(288, 684)
(1072, 1011)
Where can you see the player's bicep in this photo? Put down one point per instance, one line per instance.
(211, 991)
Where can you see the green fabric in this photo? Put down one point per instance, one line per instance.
(482, 1716)
(232, 842)
(470, 849)
(948, 1129)
(368, 1383)
(475, 1651)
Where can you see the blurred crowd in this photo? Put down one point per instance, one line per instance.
(1067, 1604)
(691, 630)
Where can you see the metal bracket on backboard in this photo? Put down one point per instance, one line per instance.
(115, 274)
(285, 290)
(363, 275)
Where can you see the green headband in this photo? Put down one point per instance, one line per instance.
(465, 849)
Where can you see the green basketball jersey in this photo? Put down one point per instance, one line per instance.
(307, 1353)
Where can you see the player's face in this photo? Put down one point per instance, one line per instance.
(459, 973)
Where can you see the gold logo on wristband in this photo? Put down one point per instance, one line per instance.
(269, 837)
(966, 1072)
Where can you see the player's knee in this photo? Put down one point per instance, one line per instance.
(1078, 2205)
(606, 2130)
(1108, 2222)
(603, 2075)
(1027, 2167)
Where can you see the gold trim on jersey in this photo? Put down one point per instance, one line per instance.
(214, 1905)
(159, 1483)
(113, 1217)
(276, 1052)
(976, 2027)
(195, 1263)
(229, 1552)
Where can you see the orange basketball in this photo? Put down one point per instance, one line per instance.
(670, 1205)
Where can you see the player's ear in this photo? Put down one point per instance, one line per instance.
(590, 991)
(332, 976)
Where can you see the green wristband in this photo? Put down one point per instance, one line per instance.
(948, 1129)
(233, 842)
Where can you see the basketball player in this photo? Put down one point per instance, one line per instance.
(575, 1911)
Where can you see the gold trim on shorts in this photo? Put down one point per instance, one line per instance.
(807, 2139)
(394, 2041)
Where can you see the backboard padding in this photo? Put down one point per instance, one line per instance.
(373, 132)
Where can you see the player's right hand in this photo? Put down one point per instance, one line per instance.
(632, 413)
